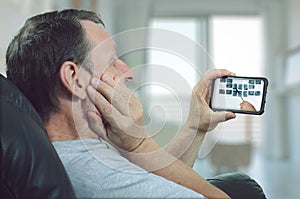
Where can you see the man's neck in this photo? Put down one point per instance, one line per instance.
(62, 127)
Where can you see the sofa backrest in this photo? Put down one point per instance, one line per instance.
(29, 164)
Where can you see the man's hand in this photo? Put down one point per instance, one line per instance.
(123, 113)
(201, 117)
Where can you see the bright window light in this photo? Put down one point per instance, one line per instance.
(183, 26)
(237, 44)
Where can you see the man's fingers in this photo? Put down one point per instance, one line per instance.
(123, 89)
(118, 86)
(215, 73)
(96, 124)
(109, 112)
(118, 90)
(222, 116)
(212, 74)
(114, 96)
(109, 80)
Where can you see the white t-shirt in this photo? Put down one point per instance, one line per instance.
(96, 171)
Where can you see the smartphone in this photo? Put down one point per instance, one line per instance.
(239, 94)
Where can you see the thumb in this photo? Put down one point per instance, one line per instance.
(96, 124)
(222, 116)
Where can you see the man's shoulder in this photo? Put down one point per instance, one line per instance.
(92, 154)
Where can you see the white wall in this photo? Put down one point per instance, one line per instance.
(293, 41)
(293, 23)
(11, 20)
(13, 15)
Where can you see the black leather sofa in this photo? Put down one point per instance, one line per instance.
(29, 165)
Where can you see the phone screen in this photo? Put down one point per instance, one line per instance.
(239, 94)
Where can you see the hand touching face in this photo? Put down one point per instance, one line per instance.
(121, 111)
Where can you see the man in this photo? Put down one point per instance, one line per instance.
(53, 63)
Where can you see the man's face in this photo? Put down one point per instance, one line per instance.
(103, 60)
(103, 54)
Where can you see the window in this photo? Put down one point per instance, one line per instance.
(237, 45)
(173, 76)
(184, 26)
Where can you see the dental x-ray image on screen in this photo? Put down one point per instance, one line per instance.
(239, 94)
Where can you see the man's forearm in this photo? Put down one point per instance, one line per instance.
(184, 175)
(153, 158)
(186, 145)
(190, 155)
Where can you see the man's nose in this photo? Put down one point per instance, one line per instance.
(125, 69)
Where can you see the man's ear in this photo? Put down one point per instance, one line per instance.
(70, 78)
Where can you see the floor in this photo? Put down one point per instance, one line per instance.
(279, 178)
